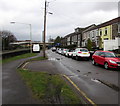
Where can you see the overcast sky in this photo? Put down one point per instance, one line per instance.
(67, 15)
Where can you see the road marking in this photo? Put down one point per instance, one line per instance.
(79, 90)
(23, 67)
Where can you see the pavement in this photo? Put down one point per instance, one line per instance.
(14, 89)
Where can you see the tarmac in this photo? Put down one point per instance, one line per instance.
(14, 89)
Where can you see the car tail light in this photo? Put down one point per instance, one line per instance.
(79, 52)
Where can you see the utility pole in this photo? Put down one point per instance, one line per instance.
(44, 36)
(30, 38)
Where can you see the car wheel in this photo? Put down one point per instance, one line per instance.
(77, 58)
(72, 56)
(68, 55)
(106, 66)
(93, 62)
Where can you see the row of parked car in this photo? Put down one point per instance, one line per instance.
(77, 53)
(106, 58)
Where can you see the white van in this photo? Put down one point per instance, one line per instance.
(36, 48)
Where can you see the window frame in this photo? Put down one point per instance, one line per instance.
(106, 31)
(118, 27)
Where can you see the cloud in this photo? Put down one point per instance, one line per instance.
(66, 16)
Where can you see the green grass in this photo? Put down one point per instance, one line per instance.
(18, 57)
(49, 88)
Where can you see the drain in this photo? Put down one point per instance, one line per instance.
(95, 80)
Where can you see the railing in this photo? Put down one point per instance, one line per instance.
(7, 54)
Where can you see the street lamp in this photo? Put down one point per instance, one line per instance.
(30, 33)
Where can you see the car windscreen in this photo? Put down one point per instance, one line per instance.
(83, 50)
(70, 50)
(107, 54)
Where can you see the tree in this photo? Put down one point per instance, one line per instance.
(7, 37)
(51, 40)
(100, 43)
(57, 40)
(93, 45)
(89, 44)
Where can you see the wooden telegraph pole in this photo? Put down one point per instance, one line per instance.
(44, 33)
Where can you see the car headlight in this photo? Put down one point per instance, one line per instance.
(112, 61)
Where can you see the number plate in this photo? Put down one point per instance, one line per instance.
(84, 53)
(118, 64)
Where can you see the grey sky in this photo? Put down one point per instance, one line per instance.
(67, 15)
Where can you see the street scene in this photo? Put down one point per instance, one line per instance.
(60, 52)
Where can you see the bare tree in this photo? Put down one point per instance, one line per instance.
(7, 37)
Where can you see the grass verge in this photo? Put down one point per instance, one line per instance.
(18, 57)
(49, 89)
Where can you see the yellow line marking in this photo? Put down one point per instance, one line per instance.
(79, 90)
(25, 65)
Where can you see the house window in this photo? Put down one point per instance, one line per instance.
(105, 31)
(105, 38)
(119, 28)
(100, 32)
(93, 34)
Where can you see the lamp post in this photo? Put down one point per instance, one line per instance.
(30, 33)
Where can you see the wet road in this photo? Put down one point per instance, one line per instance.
(88, 78)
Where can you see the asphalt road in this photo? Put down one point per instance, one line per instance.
(88, 78)
(14, 90)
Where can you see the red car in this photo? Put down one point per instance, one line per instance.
(106, 58)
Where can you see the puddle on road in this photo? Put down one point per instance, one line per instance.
(58, 58)
(113, 86)
(95, 80)
(88, 73)
(78, 70)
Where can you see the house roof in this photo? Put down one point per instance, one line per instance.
(115, 20)
(89, 28)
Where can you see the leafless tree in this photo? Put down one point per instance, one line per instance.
(7, 37)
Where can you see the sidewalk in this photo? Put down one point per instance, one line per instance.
(14, 90)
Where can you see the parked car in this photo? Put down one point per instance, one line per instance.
(69, 52)
(59, 50)
(106, 58)
(64, 51)
(81, 53)
(53, 49)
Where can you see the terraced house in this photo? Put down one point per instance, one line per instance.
(109, 30)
